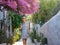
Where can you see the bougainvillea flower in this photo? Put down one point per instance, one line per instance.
(21, 6)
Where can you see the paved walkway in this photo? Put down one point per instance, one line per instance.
(3, 44)
(21, 43)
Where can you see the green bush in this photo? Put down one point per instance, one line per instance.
(17, 35)
(2, 34)
(10, 40)
(14, 38)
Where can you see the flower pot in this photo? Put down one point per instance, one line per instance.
(38, 43)
(45, 44)
(35, 40)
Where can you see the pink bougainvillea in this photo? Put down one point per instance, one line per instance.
(21, 6)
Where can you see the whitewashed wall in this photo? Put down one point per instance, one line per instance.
(51, 30)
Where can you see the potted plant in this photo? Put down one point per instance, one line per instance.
(33, 36)
(44, 41)
(38, 39)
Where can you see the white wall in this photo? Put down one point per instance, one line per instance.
(51, 30)
(1, 15)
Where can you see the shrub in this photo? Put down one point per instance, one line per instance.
(2, 34)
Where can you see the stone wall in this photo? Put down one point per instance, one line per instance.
(51, 30)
